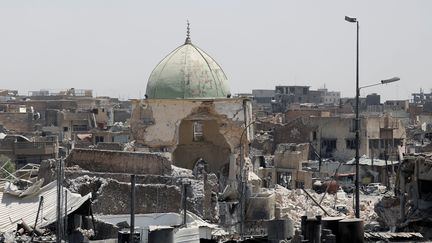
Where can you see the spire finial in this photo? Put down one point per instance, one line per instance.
(188, 40)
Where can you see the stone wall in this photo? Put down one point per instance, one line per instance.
(297, 131)
(19, 122)
(151, 198)
(120, 162)
(201, 196)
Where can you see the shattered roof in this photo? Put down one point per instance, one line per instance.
(14, 210)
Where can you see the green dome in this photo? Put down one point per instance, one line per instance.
(187, 73)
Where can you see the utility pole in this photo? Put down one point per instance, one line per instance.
(132, 212)
(59, 224)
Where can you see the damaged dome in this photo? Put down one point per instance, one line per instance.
(187, 73)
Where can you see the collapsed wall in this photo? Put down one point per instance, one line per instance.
(120, 162)
(155, 193)
(150, 198)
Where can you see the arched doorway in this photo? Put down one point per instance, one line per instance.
(201, 139)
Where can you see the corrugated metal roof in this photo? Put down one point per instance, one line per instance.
(13, 210)
(394, 237)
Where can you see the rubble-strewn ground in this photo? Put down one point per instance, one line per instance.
(298, 204)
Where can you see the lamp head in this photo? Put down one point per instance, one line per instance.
(390, 80)
(349, 19)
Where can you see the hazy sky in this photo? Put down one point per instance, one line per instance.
(112, 46)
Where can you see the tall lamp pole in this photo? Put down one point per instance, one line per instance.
(357, 119)
(357, 138)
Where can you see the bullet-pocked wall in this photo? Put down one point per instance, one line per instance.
(192, 128)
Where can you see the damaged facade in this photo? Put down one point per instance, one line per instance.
(189, 113)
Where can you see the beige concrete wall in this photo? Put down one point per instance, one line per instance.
(155, 122)
(342, 128)
(167, 125)
(120, 162)
(305, 177)
(19, 122)
(290, 156)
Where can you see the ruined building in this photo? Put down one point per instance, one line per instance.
(189, 112)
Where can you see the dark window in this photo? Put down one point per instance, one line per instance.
(351, 143)
(305, 90)
(79, 128)
(99, 139)
(65, 129)
(329, 143)
(198, 131)
(314, 135)
(374, 143)
(352, 127)
(328, 146)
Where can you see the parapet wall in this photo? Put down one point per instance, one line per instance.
(120, 162)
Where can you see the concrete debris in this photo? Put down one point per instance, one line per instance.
(85, 184)
(22, 188)
(388, 211)
(293, 204)
(180, 172)
(86, 232)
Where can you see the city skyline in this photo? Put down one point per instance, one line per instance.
(112, 47)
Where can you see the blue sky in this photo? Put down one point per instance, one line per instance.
(112, 46)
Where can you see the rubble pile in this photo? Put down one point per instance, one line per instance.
(85, 184)
(296, 203)
(388, 211)
(263, 141)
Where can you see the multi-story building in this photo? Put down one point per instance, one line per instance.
(421, 98)
(330, 97)
(286, 95)
(334, 137)
(262, 101)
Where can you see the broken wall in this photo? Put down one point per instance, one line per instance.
(167, 125)
(334, 137)
(296, 131)
(151, 198)
(201, 196)
(120, 162)
(155, 122)
(290, 155)
(19, 122)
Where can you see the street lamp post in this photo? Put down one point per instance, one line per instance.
(357, 139)
(357, 192)
(357, 119)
